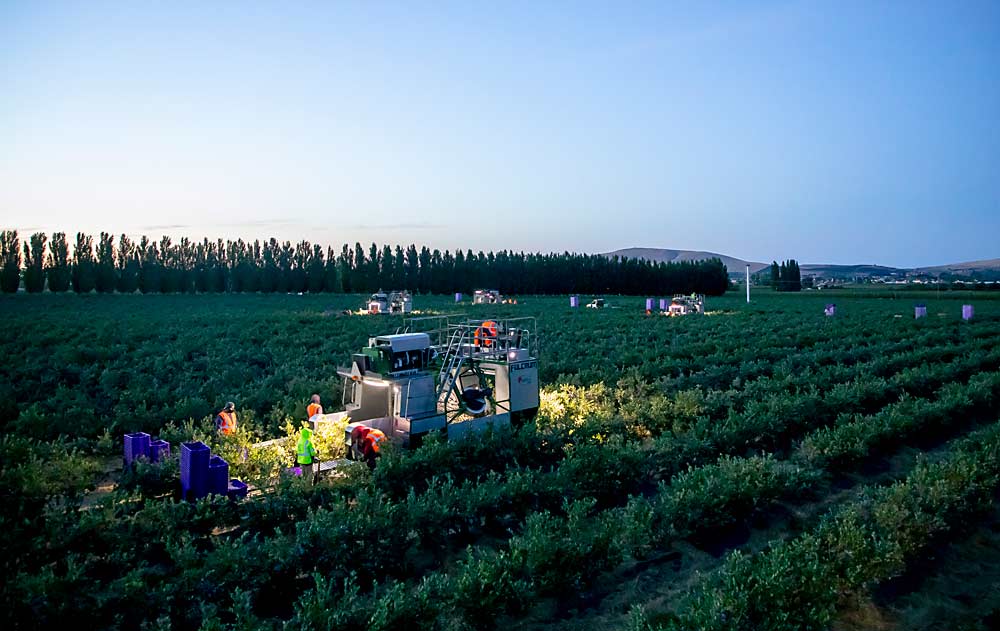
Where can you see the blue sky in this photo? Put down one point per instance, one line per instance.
(842, 132)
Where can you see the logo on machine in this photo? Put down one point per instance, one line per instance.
(522, 365)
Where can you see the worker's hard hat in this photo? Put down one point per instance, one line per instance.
(230, 405)
(315, 398)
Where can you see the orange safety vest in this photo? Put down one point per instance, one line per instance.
(226, 422)
(373, 439)
(486, 333)
(313, 409)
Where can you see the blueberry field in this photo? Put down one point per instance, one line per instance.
(761, 466)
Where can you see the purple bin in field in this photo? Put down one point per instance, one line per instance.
(136, 445)
(649, 304)
(663, 304)
(237, 490)
(159, 450)
(920, 311)
(968, 312)
(458, 296)
(218, 476)
(574, 302)
(194, 470)
(830, 310)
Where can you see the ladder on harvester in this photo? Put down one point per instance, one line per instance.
(451, 364)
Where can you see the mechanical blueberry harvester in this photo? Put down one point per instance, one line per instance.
(685, 305)
(392, 302)
(486, 297)
(455, 377)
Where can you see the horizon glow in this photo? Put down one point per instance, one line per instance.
(828, 132)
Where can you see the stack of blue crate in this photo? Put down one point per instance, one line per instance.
(194, 470)
(218, 476)
(201, 472)
(136, 446)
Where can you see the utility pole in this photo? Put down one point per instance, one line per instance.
(748, 283)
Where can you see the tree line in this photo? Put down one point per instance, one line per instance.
(786, 276)
(148, 266)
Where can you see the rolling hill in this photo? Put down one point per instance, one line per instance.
(983, 269)
(986, 265)
(850, 271)
(733, 264)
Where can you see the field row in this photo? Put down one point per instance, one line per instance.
(121, 368)
(661, 432)
(798, 584)
(447, 516)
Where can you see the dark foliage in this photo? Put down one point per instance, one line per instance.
(274, 267)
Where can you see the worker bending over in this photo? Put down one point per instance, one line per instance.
(314, 407)
(368, 441)
(225, 421)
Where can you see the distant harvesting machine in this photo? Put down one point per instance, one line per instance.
(456, 377)
(685, 305)
(486, 297)
(390, 302)
(491, 297)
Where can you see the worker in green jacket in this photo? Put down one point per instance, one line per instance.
(305, 453)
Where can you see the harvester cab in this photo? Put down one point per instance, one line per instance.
(686, 305)
(457, 378)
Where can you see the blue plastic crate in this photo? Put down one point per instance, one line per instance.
(237, 490)
(218, 476)
(136, 445)
(159, 450)
(194, 470)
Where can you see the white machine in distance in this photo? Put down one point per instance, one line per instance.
(596, 303)
(391, 302)
(685, 305)
(456, 377)
(486, 297)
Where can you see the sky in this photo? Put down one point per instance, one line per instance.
(830, 132)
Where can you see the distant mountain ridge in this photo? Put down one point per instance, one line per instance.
(820, 269)
(984, 265)
(736, 265)
(662, 255)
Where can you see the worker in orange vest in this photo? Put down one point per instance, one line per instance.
(367, 442)
(371, 446)
(486, 333)
(314, 407)
(225, 421)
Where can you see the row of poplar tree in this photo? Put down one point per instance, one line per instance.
(786, 276)
(127, 266)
